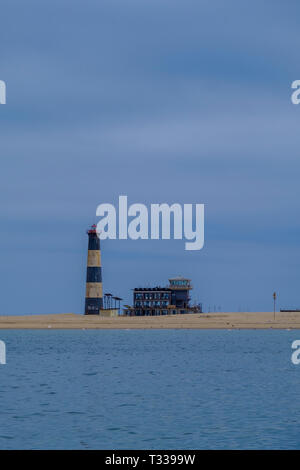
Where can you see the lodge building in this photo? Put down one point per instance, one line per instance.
(171, 300)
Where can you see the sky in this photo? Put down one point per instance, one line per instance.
(184, 101)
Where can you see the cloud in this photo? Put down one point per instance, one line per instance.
(165, 102)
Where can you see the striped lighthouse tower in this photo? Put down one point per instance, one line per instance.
(94, 294)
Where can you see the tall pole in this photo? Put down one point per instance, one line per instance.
(274, 297)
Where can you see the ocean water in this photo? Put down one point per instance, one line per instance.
(149, 389)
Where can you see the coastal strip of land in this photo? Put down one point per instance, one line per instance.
(258, 320)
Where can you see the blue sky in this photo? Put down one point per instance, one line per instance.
(164, 101)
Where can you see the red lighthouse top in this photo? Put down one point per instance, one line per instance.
(93, 229)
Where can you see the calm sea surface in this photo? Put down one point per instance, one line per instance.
(186, 389)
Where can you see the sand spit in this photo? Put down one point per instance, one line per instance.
(262, 320)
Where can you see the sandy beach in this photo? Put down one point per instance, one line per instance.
(258, 320)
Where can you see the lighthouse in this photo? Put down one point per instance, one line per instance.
(94, 292)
